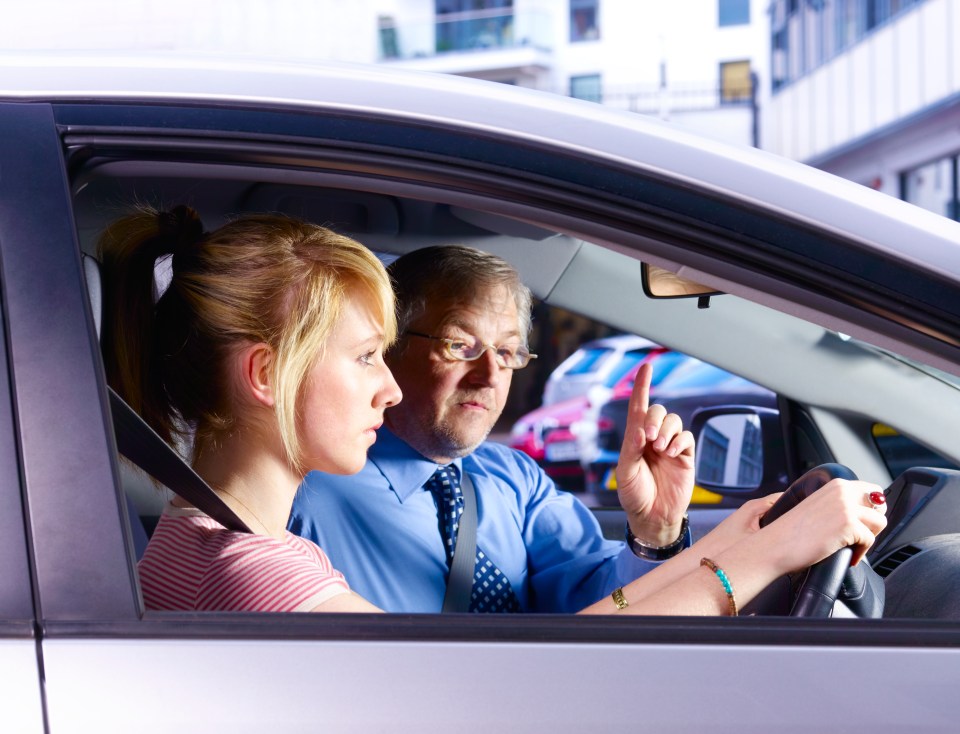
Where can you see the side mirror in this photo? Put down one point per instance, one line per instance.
(661, 283)
(740, 450)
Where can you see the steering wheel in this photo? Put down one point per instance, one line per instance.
(812, 593)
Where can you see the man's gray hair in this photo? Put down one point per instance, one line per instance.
(453, 274)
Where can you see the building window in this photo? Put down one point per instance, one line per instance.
(586, 87)
(389, 47)
(470, 25)
(934, 186)
(712, 455)
(733, 12)
(584, 20)
(736, 85)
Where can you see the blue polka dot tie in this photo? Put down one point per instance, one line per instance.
(491, 589)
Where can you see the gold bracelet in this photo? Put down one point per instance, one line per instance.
(619, 600)
(727, 586)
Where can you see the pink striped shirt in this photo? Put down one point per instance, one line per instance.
(193, 563)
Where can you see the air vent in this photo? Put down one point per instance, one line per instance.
(889, 564)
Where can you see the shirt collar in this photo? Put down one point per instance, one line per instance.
(405, 469)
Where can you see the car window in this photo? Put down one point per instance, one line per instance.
(627, 362)
(900, 452)
(588, 360)
(378, 220)
(702, 375)
(664, 364)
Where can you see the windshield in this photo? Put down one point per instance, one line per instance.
(938, 374)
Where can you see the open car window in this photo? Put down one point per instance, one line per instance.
(675, 326)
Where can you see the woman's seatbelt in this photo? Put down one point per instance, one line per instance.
(140, 443)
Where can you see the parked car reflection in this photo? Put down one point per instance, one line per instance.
(691, 386)
(599, 362)
(600, 368)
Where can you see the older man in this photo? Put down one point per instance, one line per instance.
(393, 529)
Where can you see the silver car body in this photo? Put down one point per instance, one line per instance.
(80, 654)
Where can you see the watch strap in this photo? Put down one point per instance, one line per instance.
(663, 552)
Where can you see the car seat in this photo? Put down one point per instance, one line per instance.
(91, 272)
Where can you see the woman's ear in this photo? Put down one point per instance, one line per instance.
(256, 363)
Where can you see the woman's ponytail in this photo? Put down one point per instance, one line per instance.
(129, 250)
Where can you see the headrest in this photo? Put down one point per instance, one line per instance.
(91, 271)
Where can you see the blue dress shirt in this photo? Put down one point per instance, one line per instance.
(379, 528)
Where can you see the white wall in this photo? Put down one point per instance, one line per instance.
(636, 35)
(292, 29)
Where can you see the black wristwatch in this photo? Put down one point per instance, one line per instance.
(662, 552)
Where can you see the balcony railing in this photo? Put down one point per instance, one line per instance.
(482, 30)
(654, 100)
(727, 112)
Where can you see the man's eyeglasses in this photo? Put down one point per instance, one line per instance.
(469, 349)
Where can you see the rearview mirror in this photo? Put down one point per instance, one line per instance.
(739, 450)
(661, 283)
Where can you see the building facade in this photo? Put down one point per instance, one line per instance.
(870, 90)
(694, 63)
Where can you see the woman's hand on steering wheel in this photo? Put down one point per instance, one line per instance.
(741, 523)
(838, 515)
(823, 524)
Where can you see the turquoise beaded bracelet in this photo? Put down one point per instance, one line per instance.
(727, 586)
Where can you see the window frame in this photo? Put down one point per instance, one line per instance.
(58, 387)
(736, 91)
(16, 590)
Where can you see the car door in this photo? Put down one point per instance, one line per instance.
(39, 446)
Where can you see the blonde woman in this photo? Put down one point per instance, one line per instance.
(265, 352)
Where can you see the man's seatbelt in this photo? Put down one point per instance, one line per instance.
(460, 581)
